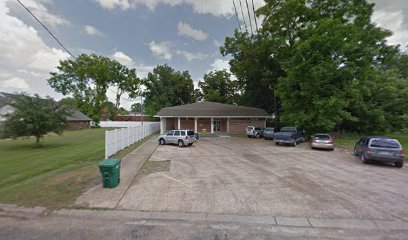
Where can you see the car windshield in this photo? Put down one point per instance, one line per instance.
(250, 128)
(384, 143)
(288, 129)
(190, 133)
(322, 137)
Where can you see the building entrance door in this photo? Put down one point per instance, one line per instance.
(217, 125)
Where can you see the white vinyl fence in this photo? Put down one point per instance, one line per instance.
(119, 139)
(121, 124)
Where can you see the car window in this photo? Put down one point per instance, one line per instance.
(258, 128)
(176, 133)
(190, 133)
(170, 133)
(288, 129)
(269, 129)
(322, 137)
(384, 143)
(183, 133)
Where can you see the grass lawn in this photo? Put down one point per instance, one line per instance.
(350, 140)
(55, 174)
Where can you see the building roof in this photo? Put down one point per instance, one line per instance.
(78, 116)
(211, 109)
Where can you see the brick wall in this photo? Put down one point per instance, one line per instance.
(171, 123)
(238, 125)
(78, 125)
(204, 123)
(187, 123)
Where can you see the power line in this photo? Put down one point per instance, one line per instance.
(38, 20)
(236, 14)
(249, 16)
(253, 9)
(243, 17)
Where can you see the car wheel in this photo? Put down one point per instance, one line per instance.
(399, 164)
(294, 143)
(162, 141)
(258, 136)
(276, 143)
(180, 143)
(355, 152)
(363, 159)
(190, 144)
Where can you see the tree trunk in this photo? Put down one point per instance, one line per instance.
(37, 140)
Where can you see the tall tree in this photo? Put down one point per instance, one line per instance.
(217, 86)
(87, 79)
(166, 87)
(136, 107)
(36, 116)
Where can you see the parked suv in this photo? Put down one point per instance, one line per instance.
(268, 133)
(252, 131)
(179, 137)
(380, 149)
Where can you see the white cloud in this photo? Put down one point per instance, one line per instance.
(93, 31)
(214, 7)
(15, 83)
(38, 8)
(219, 64)
(141, 69)
(24, 55)
(161, 50)
(393, 21)
(189, 56)
(186, 30)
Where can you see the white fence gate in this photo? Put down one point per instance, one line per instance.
(119, 139)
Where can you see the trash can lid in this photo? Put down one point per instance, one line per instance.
(109, 163)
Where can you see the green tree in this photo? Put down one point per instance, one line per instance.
(87, 79)
(136, 107)
(35, 116)
(166, 87)
(218, 87)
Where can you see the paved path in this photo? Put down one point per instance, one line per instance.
(108, 198)
(25, 223)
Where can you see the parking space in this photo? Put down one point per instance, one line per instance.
(254, 177)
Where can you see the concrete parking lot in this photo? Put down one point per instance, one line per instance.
(254, 177)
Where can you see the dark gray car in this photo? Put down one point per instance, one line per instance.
(380, 149)
(268, 133)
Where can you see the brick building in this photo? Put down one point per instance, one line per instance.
(211, 117)
(78, 121)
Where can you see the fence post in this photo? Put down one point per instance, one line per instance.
(106, 144)
(116, 140)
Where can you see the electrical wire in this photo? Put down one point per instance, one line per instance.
(236, 14)
(253, 9)
(250, 21)
(46, 29)
(243, 17)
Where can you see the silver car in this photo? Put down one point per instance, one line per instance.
(179, 137)
(268, 133)
(323, 141)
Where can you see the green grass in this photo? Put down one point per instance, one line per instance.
(349, 140)
(55, 174)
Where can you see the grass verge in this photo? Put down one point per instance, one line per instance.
(56, 174)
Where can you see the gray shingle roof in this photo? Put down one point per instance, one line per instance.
(210, 109)
(78, 116)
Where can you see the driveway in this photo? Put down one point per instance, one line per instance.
(254, 177)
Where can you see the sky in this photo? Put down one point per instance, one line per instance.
(186, 34)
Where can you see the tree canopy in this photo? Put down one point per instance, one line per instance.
(87, 79)
(166, 87)
(36, 116)
(217, 86)
(326, 62)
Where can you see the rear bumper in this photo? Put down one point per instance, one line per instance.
(323, 145)
(290, 141)
(384, 158)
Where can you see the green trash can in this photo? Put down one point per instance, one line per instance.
(110, 172)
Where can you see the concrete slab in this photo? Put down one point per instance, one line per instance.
(391, 225)
(292, 221)
(99, 197)
(342, 223)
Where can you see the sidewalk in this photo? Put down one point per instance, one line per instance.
(99, 197)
